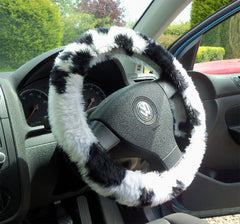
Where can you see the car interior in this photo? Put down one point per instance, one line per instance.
(40, 184)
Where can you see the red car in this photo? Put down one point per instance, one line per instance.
(230, 66)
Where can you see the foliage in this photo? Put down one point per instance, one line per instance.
(167, 39)
(77, 23)
(201, 9)
(65, 6)
(27, 28)
(210, 54)
(178, 29)
(224, 35)
(234, 36)
(172, 33)
(131, 24)
(79, 17)
(104, 8)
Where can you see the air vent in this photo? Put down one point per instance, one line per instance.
(143, 80)
(139, 68)
(141, 77)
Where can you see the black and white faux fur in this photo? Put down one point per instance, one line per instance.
(69, 124)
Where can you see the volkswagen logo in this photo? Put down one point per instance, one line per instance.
(144, 111)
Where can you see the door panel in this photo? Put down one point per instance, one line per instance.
(216, 188)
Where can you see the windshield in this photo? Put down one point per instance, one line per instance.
(31, 27)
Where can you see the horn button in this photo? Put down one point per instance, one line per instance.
(145, 110)
(140, 115)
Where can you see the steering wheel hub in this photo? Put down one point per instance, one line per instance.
(144, 111)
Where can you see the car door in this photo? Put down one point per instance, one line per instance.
(216, 188)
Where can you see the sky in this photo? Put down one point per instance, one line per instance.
(135, 8)
(184, 16)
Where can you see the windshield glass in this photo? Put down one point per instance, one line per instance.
(31, 27)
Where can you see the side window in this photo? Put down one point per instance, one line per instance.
(219, 51)
(179, 26)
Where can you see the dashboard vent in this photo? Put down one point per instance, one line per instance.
(139, 68)
(141, 77)
(142, 80)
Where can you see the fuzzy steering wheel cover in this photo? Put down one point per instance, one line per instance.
(69, 123)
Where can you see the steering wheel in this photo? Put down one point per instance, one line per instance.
(140, 115)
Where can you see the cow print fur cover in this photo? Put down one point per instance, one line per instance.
(69, 123)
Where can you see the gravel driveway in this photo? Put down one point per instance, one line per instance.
(229, 219)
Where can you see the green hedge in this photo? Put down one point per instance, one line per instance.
(27, 28)
(210, 54)
(167, 39)
(172, 33)
(225, 35)
(178, 29)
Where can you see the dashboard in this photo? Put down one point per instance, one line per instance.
(33, 173)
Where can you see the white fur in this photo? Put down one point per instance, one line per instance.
(68, 120)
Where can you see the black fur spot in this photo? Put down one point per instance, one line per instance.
(160, 56)
(68, 178)
(58, 79)
(65, 55)
(165, 60)
(125, 43)
(103, 30)
(86, 39)
(186, 128)
(146, 38)
(81, 62)
(178, 189)
(194, 116)
(146, 197)
(179, 81)
(102, 169)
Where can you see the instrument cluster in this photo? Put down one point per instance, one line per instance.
(34, 100)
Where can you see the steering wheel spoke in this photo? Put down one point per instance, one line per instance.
(168, 88)
(105, 136)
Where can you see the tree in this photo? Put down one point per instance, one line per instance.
(234, 35)
(220, 35)
(178, 29)
(65, 6)
(201, 9)
(172, 33)
(104, 8)
(28, 28)
(77, 23)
